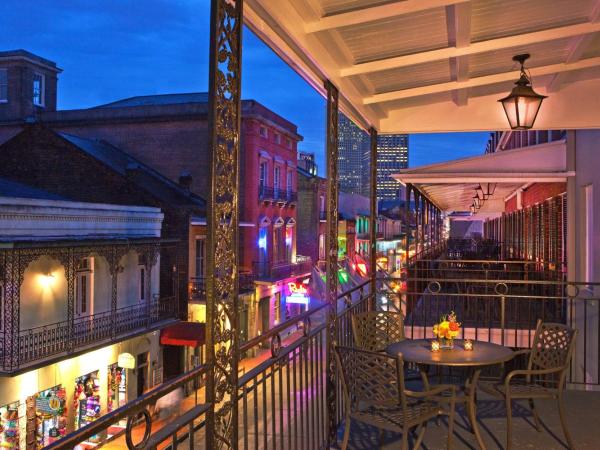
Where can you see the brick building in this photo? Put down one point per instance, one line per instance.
(312, 211)
(169, 134)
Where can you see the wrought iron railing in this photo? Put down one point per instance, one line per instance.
(39, 343)
(267, 270)
(285, 196)
(197, 286)
(266, 193)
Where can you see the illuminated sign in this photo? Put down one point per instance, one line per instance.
(126, 361)
(298, 294)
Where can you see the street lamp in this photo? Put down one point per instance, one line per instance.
(523, 103)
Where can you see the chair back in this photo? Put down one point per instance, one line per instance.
(370, 378)
(375, 330)
(552, 346)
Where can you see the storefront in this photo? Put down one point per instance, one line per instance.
(46, 417)
(10, 431)
(297, 299)
(116, 395)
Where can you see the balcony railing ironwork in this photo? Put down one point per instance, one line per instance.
(284, 398)
(266, 193)
(267, 270)
(39, 343)
(197, 286)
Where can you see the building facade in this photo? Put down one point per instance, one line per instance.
(168, 134)
(392, 156)
(82, 312)
(353, 143)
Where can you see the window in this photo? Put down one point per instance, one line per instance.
(263, 132)
(3, 85)
(200, 258)
(288, 143)
(277, 138)
(289, 240)
(83, 287)
(276, 180)
(142, 283)
(38, 89)
(321, 247)
(289, 182)
(262, 175)
(277, 308)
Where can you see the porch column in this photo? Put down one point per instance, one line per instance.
(332, 253)
(417, 221)
(373, 224)
(224, 125)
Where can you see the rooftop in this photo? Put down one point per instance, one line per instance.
(25, 55)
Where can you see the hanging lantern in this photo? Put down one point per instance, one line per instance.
(523, 103)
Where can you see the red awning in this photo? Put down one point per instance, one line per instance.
(192, 334)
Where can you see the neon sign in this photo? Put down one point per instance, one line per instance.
(298, 294)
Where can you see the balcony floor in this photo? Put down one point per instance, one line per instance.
(582, 415)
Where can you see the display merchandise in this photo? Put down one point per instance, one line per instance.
(50, 414)
(9, 426)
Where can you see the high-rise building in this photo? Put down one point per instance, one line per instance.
(392, 155)
(352, 144)
(354, 160)
(307, 161)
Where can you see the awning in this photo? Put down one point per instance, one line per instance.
(191, 334)
(451, 185)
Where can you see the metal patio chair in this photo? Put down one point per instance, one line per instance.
(545, 376)
(375, 330)
(374, 393)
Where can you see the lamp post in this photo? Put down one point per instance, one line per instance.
(523, 103)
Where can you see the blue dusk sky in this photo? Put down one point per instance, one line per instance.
(113, 49)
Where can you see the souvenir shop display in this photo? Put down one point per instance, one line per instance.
(9, 426)
(86, 401)
(51, 416)
(117, 387)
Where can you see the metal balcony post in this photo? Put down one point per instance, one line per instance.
(407, 223)
(373, 224)
(224, 124)
(332, 254)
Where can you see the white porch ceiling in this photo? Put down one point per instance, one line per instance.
(451, 185)
(440, 65)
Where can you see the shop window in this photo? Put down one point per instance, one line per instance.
(86, 401)
(10, 426)
(46, 416)
(117, 387)
(200, 257)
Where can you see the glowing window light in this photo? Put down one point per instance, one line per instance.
(343, 276)
(262, 239)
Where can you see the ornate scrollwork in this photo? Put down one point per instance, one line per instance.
(222, 289)
(332, 250)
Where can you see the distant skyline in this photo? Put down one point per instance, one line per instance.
(114, 49)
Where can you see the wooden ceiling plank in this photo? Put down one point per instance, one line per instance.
(458, 23)
(373, 13)
(578, 46)
(536, 37)
(479, 81)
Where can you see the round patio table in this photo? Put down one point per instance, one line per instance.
(418, 351)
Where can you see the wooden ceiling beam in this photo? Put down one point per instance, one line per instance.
(535, 37)
(479, 81)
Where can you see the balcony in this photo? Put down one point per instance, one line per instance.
(268, 271)
(52, 341)
(281, 196)
(266, 193)
(197, 286)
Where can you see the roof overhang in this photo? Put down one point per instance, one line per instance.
(452, 185)
(440, 65)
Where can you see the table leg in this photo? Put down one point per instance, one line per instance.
(423, 369)
(471, 391)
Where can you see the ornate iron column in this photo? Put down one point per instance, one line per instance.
(407, 223)
(373, 218)
(224, 124)
(332, 251)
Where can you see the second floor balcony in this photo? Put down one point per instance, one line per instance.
(277, 195)
(198, 285)
(271, 271)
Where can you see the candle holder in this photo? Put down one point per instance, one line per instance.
(468, 345)
(435, 346)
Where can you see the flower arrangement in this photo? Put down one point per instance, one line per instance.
(447, 329)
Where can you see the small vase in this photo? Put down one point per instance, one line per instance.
(447, 344)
